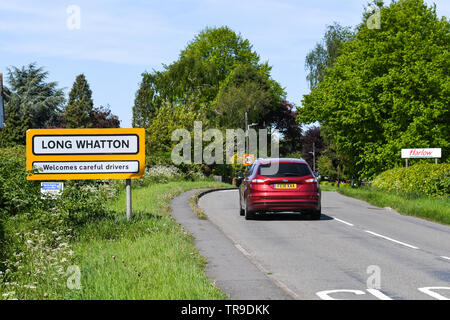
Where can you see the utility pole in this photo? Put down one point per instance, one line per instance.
(314, 156)
(246, 133)
(2, 110)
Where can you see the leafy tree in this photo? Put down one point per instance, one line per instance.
(28, 86)
(145, 102)
(200, 72)
(284, 120)
(223, 48)
(190, 80)
(103, 118)
(246, 89)
(79, 110)
(389, 89)
(166, 119)
(324, 54)
(326, 168)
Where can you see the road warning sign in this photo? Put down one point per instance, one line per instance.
(66, 154)
(249, 159)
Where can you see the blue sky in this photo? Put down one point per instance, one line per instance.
(118, 40)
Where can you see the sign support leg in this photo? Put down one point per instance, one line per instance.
(128, 191)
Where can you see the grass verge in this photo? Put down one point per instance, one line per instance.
(432, 209)
(151, 257)
(193, 202)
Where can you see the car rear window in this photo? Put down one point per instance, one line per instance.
(285, 170)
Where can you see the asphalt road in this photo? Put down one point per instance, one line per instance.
(356, 251)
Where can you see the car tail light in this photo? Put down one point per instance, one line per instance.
(312, 180)
(256, 181)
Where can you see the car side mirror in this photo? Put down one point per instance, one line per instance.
(239, 176)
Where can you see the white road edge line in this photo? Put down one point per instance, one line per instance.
(390, 239)
(347, 223)
(444, 257)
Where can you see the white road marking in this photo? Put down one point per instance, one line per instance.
(428, 291)
(325, 295)
(390, 239)
(444, 257)
(342, 221)
(380, 295)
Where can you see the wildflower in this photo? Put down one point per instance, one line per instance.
(7, 294)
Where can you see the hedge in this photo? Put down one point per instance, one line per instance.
(420, 179)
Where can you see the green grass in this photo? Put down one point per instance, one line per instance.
(433, 209)
(193, 202)
(151, 257)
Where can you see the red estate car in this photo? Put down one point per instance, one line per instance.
(279, 185)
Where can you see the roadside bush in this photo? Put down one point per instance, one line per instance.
(420, 179)
(16, 193)
(86, 203)
(36, 231)
(159, 174)
(168, 173)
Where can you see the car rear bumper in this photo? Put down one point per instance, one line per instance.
(273, 201)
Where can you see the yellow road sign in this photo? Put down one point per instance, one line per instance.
(70, 154)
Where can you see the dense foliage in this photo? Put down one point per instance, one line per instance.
(30, 102)
(35, 231)
(388, 89)
(422, 179)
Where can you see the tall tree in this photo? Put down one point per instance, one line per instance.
(325, 53)
(223, 48)
(284, 120)
(246, 89)
(389, 89)
(79, 110)
(42, 99)
(146, 101)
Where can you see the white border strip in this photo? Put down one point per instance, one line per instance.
(345, 222)
(390, 239)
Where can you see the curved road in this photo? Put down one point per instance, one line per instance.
(356, 251)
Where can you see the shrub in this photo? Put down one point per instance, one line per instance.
(36, 231)
(16, 193)
(420, 179)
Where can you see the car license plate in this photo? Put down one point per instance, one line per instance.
(286, 186)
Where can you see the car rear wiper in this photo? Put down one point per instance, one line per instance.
(290, 174)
